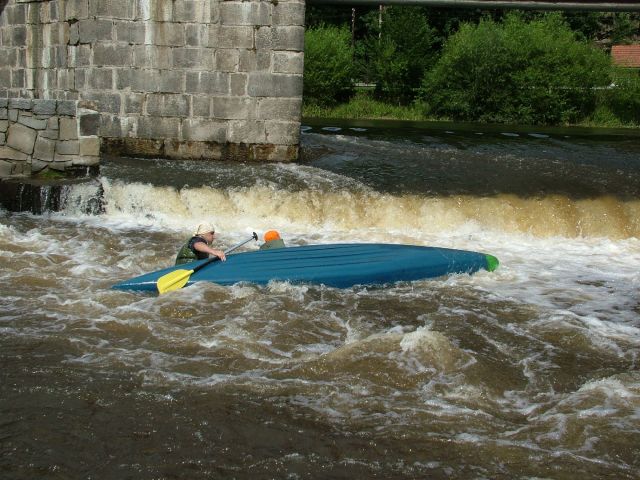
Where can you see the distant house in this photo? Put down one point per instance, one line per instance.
(626, 55)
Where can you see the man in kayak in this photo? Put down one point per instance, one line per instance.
(198, 247)
(272, 240)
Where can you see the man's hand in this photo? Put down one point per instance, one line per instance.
(220, 254)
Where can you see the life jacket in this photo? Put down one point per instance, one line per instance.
(279, 243)
(188, 254)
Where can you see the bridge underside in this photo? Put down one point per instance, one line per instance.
(586, 5)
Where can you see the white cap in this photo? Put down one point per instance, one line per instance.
(205, 228)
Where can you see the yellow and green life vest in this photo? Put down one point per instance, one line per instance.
(278, 243)
(188, 254)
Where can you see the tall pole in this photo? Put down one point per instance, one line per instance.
(353, 27)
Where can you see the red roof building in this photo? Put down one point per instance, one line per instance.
(626, 55)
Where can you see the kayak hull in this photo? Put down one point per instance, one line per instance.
(335, 265)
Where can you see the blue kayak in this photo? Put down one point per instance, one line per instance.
(335, 265)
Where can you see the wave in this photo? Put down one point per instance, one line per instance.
(339, 210)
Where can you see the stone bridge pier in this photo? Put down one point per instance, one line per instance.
(181, 79)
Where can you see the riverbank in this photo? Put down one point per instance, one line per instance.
(362, 106)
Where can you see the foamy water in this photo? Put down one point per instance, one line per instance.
(530, 371)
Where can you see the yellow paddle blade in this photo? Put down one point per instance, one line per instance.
(173, 280)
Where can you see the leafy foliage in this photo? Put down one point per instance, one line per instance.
(363, 105)
(516, 72)
(396, 52)
(624, 26)
(623, 97)
(470, 64)
(328, 64)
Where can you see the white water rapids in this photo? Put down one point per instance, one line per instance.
(531, 371)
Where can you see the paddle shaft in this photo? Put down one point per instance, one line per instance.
(228, 250)
(179, 278)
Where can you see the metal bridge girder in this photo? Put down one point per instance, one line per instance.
(584, 5)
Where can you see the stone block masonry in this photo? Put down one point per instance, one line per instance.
(37, 135)
(192, 79)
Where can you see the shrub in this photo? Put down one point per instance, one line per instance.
(623, 97)
(328, 66)
(397, 52)
(362, 105)
(388, 69)
(516, 72)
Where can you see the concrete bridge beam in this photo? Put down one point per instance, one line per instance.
(567, 5)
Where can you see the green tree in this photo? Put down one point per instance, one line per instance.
(396, 52)
(322, 15)
(329, 69)
(625, 27)
(622, 98)
(533, 72)
(588, 25)
(446, 20)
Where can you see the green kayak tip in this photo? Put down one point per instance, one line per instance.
(492, 262)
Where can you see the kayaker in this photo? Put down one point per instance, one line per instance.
(272, 240)
(198, 247)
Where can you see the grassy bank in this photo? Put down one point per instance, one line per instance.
(364, 107)
(603, 117)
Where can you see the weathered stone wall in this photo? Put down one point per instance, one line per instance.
(175, 78)
(39, 134)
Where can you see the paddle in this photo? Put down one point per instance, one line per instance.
(179, 278)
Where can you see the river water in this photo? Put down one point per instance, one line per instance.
(531, 371)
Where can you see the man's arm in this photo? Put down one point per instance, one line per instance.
(203, 247)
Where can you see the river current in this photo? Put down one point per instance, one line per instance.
(531, 371)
